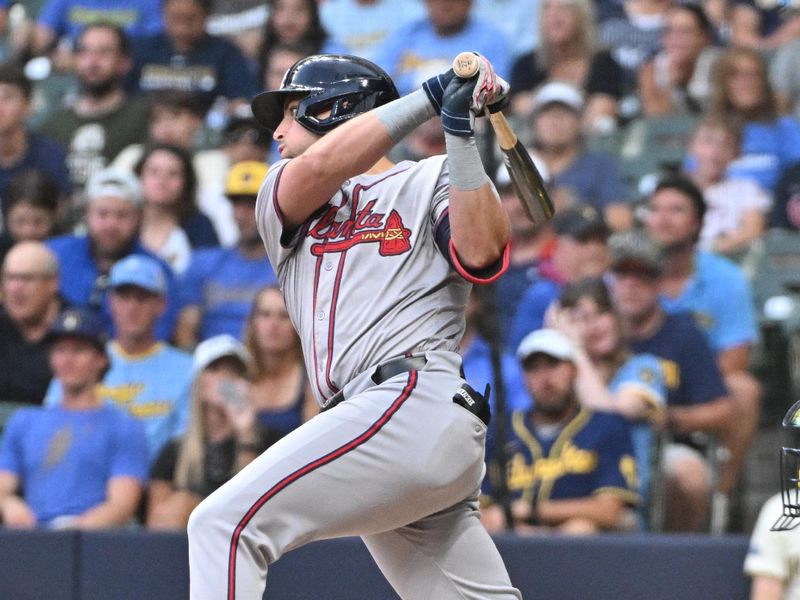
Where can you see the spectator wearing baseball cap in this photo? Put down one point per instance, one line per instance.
(697, 397)
(717, 293)
(549, 488)
(96, 478)
(223, 435)
(636, 251)
(580, 251)
(220, 284)
(549, 342)
(148, 378)
(555, 121)
(113, 219)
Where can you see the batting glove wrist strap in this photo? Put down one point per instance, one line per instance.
(434, 88)
(457, 118)
(402, 116)
(464, 162)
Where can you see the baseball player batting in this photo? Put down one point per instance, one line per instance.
(375, 261)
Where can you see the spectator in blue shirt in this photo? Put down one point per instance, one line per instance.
(67, 18)
(581, 251)
(148, 378)
(220, 284)
(556, 122)
(481, 339)
(113, 217)
(771, 140)
(361, 26)
(716, 293)
(427, 46)
(531, 245)
(80, 464)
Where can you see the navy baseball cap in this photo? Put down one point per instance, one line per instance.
(80, 323)
(140, 271)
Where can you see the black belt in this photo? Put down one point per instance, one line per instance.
(382, 373)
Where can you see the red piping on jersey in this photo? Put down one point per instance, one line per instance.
(357, 189)
(445, 212)
(473, 278)
(320, 258)
(275, 204)
(313, 326)
(336, 285)
(308, 468)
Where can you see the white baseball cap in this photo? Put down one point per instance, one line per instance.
(558, 92)
(114, 182)
(546, 341)
(219, 346)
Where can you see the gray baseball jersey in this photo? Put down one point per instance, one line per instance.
(370, 277)
(365, 280)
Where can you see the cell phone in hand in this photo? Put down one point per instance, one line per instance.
(233, 394)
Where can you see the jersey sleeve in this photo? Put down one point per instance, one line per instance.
(279, 241)
(642, 374)
(441, 232)
(767, 554)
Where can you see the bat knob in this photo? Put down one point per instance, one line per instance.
(466, 65)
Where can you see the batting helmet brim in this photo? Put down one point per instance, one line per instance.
(268, 106)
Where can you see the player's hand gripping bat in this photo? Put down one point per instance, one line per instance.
(524, 175)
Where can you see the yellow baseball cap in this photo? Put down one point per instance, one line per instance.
(244, 178)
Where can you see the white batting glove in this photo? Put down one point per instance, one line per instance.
(489, 88)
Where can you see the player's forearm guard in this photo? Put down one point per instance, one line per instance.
(464, 161)
(404, 115)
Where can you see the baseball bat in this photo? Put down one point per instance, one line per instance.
(525, 177)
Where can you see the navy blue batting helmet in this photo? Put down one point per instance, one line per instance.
(345, 85)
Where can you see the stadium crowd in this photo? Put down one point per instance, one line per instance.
(145, 352)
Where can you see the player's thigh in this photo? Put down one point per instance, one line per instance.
(445, 556)
(353, 470)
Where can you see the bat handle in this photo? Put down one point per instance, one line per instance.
(466, 65)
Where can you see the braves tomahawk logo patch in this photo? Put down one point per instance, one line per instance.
(388, 232)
